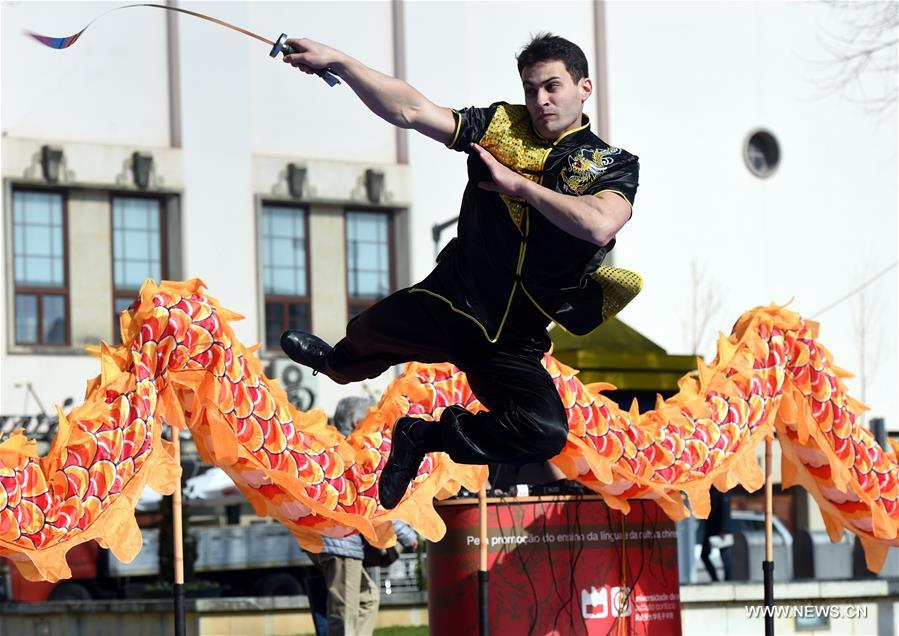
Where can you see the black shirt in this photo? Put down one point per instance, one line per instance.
(505, 247)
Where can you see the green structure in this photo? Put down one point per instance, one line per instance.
(620, 355)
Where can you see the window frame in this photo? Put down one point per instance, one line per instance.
(365, 303)
(284, 299)
(41, 291)
(117, 292)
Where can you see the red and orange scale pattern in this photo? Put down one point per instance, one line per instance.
(181, 363)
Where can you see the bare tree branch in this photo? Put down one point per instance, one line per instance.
(862, 63)
(705, 303)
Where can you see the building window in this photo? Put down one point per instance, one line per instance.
(138, 249)
(369, 258)
(285, 271)
(39, 266)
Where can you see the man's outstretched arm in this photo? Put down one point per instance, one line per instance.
(389, 98)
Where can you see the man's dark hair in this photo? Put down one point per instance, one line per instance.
(546, 47)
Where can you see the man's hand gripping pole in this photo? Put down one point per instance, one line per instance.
(282, 47)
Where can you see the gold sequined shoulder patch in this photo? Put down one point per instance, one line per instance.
(511, 139)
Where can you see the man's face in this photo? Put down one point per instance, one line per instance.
(554, 100)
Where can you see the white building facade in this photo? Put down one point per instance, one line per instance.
(186, 151)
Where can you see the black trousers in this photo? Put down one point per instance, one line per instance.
(526, 421)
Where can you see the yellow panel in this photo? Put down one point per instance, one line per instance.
(619, 287)
(512, 140)
(634, 380)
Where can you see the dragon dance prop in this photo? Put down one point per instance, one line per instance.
(180, 363)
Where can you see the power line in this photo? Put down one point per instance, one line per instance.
(856, 290)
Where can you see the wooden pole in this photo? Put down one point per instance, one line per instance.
(483, 574)
(768, 563)
(178, 586)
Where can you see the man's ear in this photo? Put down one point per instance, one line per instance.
(586, 86)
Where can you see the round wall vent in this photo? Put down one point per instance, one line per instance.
(761, 153)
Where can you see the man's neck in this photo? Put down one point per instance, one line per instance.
(581, 122)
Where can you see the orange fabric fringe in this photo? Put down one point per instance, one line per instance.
(181, 363)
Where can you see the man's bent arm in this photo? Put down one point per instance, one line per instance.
(594, 218)
(391, 99)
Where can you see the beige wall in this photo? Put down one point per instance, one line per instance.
(327, 250)
(90, 267)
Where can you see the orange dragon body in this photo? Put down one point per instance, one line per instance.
(180, 363)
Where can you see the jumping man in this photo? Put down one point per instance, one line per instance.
(544, 200)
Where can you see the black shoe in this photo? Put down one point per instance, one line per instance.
(306, 349)
(406, 455)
